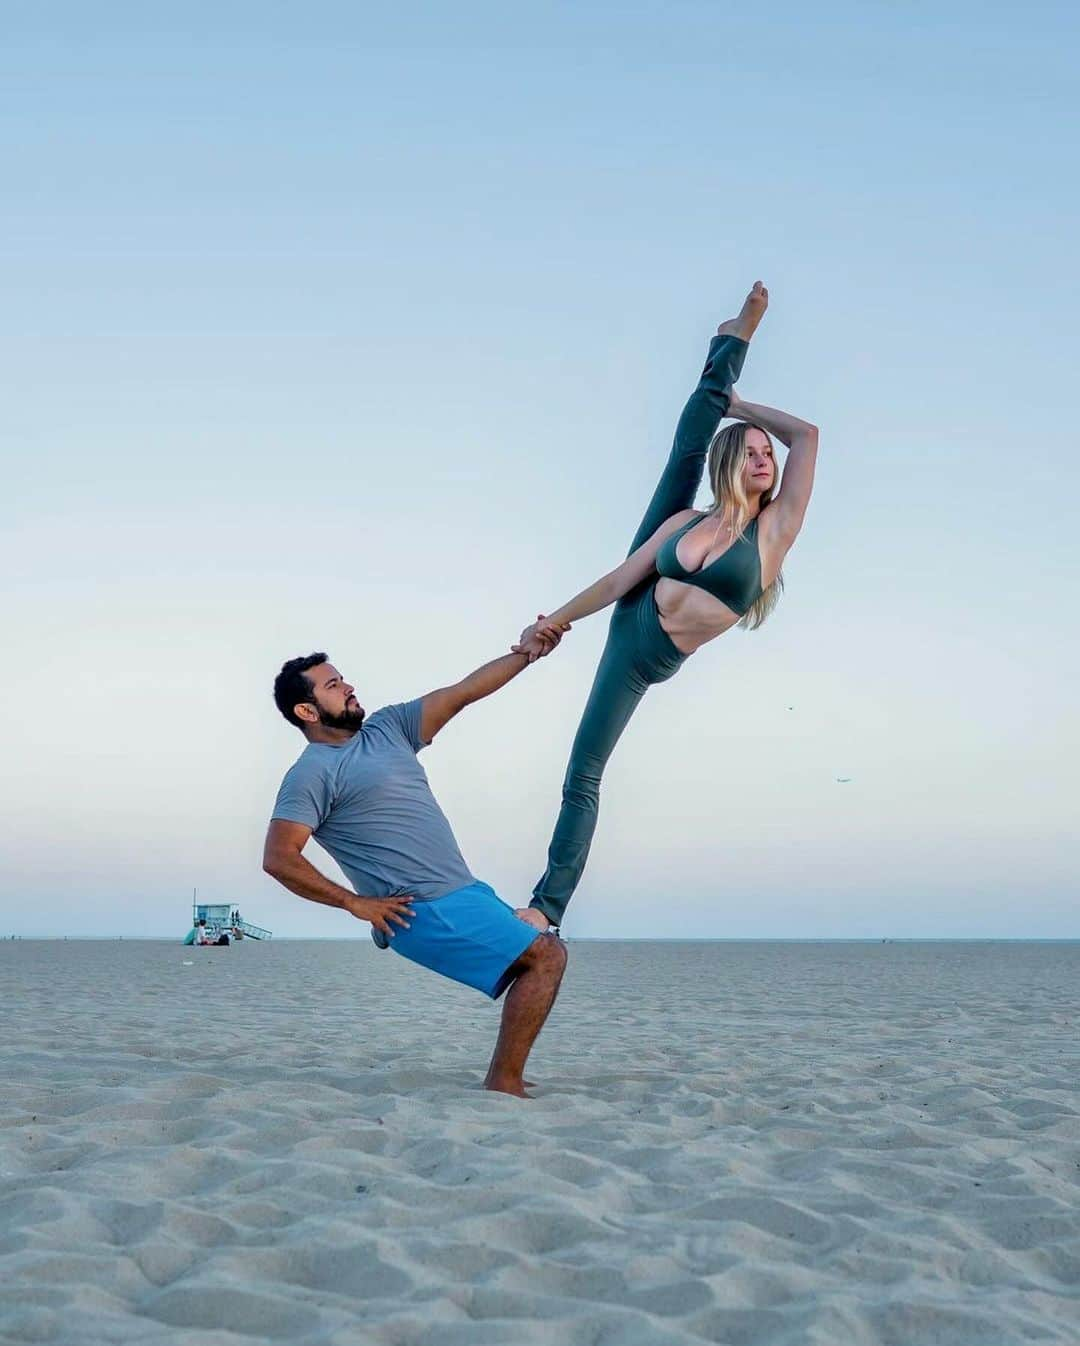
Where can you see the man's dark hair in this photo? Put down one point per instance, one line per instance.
(291, 686)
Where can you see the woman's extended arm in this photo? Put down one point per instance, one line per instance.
(611, 586)
(787, 511)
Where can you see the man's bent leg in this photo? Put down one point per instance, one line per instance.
(538, 974)
(471, 936)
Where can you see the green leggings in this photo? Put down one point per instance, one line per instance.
(638, 651)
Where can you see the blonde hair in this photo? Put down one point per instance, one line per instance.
(727, 461)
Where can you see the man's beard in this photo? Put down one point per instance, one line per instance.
(348, 719)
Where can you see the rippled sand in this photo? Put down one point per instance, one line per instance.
(737, 1143)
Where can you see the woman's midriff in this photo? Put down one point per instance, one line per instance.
(690, 617)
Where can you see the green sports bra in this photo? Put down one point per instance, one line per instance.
(734, 577)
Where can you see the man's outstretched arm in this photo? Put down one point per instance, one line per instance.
(439, 707)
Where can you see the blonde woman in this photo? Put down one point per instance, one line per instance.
(689, 577)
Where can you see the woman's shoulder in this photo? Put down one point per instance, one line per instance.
(671, 525)
(682, 517)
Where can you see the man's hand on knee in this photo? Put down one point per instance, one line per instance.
(531, 916)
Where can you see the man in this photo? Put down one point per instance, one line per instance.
(359, 790)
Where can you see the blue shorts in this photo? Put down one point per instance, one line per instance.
(470, 935)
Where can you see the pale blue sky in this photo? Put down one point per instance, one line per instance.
(345, 328)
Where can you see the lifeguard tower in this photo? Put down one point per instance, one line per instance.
(222, 919)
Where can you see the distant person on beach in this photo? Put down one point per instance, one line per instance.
(202, 935)
(359, 790)
(689, 577)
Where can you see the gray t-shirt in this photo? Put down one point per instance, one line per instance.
(369, 804)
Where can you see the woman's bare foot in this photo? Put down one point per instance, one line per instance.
(751, 313)
(532, 917)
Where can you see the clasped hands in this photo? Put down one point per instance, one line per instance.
(540, 638)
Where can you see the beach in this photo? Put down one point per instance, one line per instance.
(782, 1143)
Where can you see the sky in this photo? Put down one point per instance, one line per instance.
(365, 328)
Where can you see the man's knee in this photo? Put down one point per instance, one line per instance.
(547, 953)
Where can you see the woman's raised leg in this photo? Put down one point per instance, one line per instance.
(707, 406)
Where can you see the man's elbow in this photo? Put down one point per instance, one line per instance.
(275, 864)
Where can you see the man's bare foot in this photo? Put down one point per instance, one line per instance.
(751, 313)
(532, 917)
(497, 1085)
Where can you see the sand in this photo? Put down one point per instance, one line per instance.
(739, 1143)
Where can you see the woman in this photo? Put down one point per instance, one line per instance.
(690, 576)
